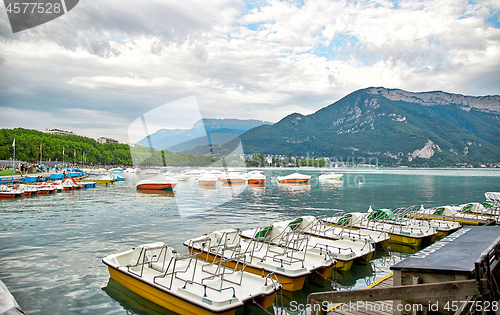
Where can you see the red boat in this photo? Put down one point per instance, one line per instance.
(7, 192)
(156, 184)
(256, 179)
(44, 188)
(207, 180)
(294, 178)
(232, 179)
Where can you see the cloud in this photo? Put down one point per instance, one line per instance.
(259, 59)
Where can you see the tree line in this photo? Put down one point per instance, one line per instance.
(79, 149)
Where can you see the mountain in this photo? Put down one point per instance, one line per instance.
(389, 127)
(220, 131)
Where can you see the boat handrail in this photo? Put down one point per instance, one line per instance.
(275, 251)
(222, 270)
(289, 259)
(327, 248)
(191, 281)
(175, 273)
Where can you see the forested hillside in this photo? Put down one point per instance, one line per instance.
(82, 149)
(390, 127)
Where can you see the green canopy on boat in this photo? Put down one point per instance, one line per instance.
(382, 214)
(439, 211)
(293, 225)
(263, 232)
(345, 219)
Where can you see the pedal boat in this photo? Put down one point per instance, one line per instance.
(285, 234)
(207, 180)
(45, 188)
(316, 227)
(8, 192)
(147, 184)
(256, 179)
(187, 285)
(231, 179)
(411, 236)
(330, 176)
(295, 178)
(405, 219)
(101, 179)
(453, 214)
(290, 266)
(26, 190)
(485, 209)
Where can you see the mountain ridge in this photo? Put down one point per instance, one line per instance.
(178, 140)
(394, 126)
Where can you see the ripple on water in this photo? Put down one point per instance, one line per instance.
(51, 247)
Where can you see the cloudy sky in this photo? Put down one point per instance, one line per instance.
(107, 62)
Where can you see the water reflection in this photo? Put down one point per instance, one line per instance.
(331, 183)
(159, 193)
(131, 302)
(294, 187)
(51, 246)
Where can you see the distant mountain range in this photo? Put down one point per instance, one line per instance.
(203, 132)
(393, 127)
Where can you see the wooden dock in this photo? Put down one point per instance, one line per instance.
(376, 307)
(462, 267)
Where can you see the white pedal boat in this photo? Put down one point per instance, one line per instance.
(187, 285)
(261, 258)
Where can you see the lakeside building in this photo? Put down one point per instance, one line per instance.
(106, 140)
(60, 132)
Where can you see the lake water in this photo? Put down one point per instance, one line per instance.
(51, 247)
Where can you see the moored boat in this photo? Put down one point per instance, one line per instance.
(232, 178)
(26, 190)
(103, 179)
(453, 213)
(400, 234)
(286, 234)
(295, 178)
(8, 192)
(261, 258)
(45, 188)
(151, 184)
(117, 177)
(86, 184)
(330, 176)
(256, 179)
(316, 227)
(207, 180)
(70, 183)
(187, 285)
(58, 185)
(443, 228)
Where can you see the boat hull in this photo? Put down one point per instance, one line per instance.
(159, 297)
(7, 195)
(344, 265)
(256, 181)
(207, 182)
(233, 181)
(394, 238)
(156, 186)
(405, 240)
(294, 181)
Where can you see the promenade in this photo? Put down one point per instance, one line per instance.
(17, 178)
